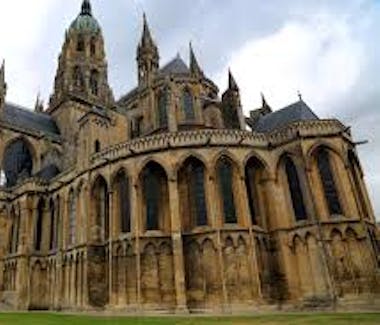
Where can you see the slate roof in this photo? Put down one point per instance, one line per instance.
(175, 66)
(30, 120)
(296, 112)
(48, 172)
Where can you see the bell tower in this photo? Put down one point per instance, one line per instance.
(82, 66)
(147, 56)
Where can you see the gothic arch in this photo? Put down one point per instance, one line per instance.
(260, 159)
(168, 168)
(18, 160)
(192, 185)
(100, 207)
(154, 193)
(310, 154)
(225, 172)
(190, 154)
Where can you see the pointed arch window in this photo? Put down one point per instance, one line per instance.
(123, 201)
(18, 162)
(57, 221)
(15, 229)
(72, 216)
(80, 43)
(295, 190)
(192, 193)
(225, 175)
(52, 224)
(101, 206)
(78, 78)
(188, 105)
(328, 181)
(155, 195)
(39, 225)
(253, 170)
(93, 46)
(162, 102)
(94, 82)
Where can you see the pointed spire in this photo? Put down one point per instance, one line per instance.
(265, 107)
(3, 86)
(232, 84)
(39, 105)
(2, 72)
(86, 8)
(194, 65)
(146, 39)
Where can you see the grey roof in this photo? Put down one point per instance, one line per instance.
(175, 66)
(296, 112)
(48, 172)
(30, 120)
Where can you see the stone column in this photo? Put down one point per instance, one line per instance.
(172, 107)
(135, 227)
(179, 271)
(246, 215)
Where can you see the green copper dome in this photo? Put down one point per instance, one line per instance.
(85, 22)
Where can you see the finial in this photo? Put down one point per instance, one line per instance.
(146, 37)
(299, 94)
(39, 106)
(265, 107)
(232, 84)
(194, 66)
(86, 8)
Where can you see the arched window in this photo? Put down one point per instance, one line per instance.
(97, 146)
(253, 171)
(78, 78)
(162, 103)
(80, 44)
(101, 206)
(72, 216)
(18, 162)
(357, 178)
(39, 225)
(121, 190)
(295, 190)
(57, 221)
(14, 234)
(93, 46)
(52, 224)
(225, 179)
(192, 193)
(328, 182)
(188, 105)
(94, 82)
(155, 194)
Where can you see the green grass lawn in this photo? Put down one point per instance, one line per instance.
(284, 319)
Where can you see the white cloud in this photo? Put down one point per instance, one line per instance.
(320, 58)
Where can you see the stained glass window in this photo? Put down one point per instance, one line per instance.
(328, 182)
(72, 217)
(225, 173)
(123, 199)
(39, 225)
(188, 105)
(162, 102)
(52, 224)
(295, 189)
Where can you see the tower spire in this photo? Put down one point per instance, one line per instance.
(146, 39)
(232, 84)
(194, 65)
(3, 86)
(86, 8)
(147, 55)
(266, 109)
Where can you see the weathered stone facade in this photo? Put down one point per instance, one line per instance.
(164, 200)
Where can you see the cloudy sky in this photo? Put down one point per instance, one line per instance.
(327, 49)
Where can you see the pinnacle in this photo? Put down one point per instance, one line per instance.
(232, 84)
(86, 8)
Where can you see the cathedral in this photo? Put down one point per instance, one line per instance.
(170, 199)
